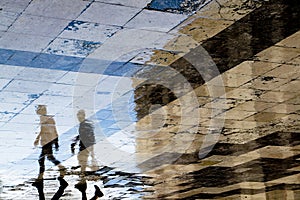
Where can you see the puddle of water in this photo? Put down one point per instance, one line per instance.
(176, 6)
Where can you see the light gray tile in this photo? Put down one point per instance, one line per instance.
(16, 6)
(26, 119)
(15, 97)
(129, 43)
(9, 72)
(38, 25)
(66, 9)
(108, 14)
(143, 57)
(131, 3)
(72, 47)
(88, 31)
(155, 20)
(30, 87)
(67, 90)
(11, 107)
(4, 117)
(54, 104)
(40, 74)
(3, 83)
(77, 78)
(6, 19)
(24, 42)
(1, 33)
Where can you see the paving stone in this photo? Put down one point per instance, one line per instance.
(164, 130)
(98, 13)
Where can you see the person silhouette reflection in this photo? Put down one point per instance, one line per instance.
(39, 184)
(48, 138)
(86, 138)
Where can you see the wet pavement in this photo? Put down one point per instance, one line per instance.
(189, 99)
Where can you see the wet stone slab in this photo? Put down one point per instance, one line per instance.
(177, 6)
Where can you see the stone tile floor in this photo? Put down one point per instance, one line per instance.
(190, 99)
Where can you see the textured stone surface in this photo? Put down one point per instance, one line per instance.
(190, 99)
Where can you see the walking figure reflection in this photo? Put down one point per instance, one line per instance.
(48, 138)
(86, 138)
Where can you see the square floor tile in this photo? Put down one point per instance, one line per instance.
(16, 97)
(274, 96)
(155, 20)
(290, 41)
(30, 87)
(5, 55)
(108, 14)
(253, 68)
(67, 90)
(67, 63)
(265, 117)
(284, 108)
(130, 3)
(26, 119)
(1, 33)
(292, 86)
(9, 71)
(72, 47)
(278, 54)
(11, 107)
(4, 117)
(52, 101)
(16, 6)
(88, 31)
(254, 106)
(38, 25)
(143, 57)
(285, 71)
(266, 83)
(66, 9)
(44, 60)
(40, 74)
(24, 42)
(245, 94)
(21, 58)
(78, 78)
(129, 43)
(3, 83)
(7, 18)
(238, 114)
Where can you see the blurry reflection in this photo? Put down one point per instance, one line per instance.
(39, 184)
(86, 138)
(48, 138)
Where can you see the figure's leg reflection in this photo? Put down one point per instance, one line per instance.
(39, 184)
(47, 151)
(94, 164)
(61, 189)
(82, 185)
(82, 158)
(97, 194)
